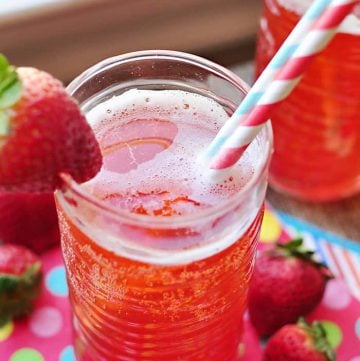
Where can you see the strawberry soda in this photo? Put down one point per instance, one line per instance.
(317, 128)
(159, 252)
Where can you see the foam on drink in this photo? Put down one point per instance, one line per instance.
(151, 141)
(174, 127)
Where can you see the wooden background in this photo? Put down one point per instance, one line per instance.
(69, 36)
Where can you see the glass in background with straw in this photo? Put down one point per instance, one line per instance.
(317, 128)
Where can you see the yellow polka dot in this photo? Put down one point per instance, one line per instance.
(6, 331)
(270, 229)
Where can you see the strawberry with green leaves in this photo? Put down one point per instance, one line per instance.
(20, 281)
(299, 342)
(287, 283)
(42, 133)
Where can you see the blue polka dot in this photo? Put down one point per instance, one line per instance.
(67, 354)
(357, 328)
(56, 281)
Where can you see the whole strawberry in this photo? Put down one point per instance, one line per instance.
(42, 133)
(20, 276)
(287, 283)
(29, 219)
(300, 342)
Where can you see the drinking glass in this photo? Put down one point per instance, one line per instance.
(317, 128)
(168, 283)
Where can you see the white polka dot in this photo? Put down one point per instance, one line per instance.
(337, 296)
(76, 324)
(46, 322)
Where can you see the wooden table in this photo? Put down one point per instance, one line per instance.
(342, 217)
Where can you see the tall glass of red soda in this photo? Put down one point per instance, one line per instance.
(159, 251)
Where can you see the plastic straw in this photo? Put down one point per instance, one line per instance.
(310, 36)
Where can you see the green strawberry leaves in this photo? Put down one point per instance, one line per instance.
(10, 85)
(10, 92)
(9, 282)
(295, 248)
(4, 123)
(18, 291)
(318, 333)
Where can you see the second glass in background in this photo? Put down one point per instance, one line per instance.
(317, 128)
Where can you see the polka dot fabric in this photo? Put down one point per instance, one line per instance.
(45, 335)
(339, 309)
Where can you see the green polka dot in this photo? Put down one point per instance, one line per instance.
(270, 229)
(333, 333)
(26, 354)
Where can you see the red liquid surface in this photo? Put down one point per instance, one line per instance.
(127, 310)
(317, 128)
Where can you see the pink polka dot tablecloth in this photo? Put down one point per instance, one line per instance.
(46, 334)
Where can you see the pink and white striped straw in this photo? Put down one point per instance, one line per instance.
(311, 35)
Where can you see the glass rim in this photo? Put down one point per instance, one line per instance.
(180, 220)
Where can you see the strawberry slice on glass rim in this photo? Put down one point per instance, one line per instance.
(42, 133)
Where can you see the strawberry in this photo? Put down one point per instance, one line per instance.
(287, 283)
(300, 342)
(29, 219)
(42, 133)
(20, 276)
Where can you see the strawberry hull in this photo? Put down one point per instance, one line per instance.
(29, 220)
(18, 293)
(20, 281)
